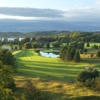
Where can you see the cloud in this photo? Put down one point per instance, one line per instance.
(83, 14)
(2, 4)
(30, 12)
(2, 16)
(98, 2)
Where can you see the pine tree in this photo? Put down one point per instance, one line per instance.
(88, 45)
(68, 56)
(77, 56)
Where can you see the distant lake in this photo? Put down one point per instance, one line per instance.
(51, 55)
(11, 39)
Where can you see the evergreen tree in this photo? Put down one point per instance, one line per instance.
(48, 45)
(88, 45)
(77, 56)
(16, 48)
(68, 56)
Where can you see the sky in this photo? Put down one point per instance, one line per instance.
(85, 11)
(52, 4)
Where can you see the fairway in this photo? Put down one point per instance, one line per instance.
(51, 74)
(32, 65)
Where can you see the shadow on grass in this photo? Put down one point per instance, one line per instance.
(48, 71)
(91, 60)
(46, 94)
(57, 95)
(86, 98)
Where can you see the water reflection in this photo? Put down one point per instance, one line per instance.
(51, 55)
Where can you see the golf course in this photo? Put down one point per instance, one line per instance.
(53, 76)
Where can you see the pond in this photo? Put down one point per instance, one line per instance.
(51, 55)
(6, 47)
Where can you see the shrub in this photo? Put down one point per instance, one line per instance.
(85, 75)
(91, 55)
(33, 93)
(90, 78)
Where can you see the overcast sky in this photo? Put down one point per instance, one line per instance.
(52, 4)
(85, 11)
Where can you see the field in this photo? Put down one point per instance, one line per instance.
(51, 75)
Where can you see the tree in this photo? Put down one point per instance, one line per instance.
(33, 39)
(68, 56)
(98, 54)
(16, 41)
(56, 44)
(28, 45)
(35, 45)
(73, 52)
(77, 56)
(11, 47)
(20, 45)
(5, 41)
(88, 45)
(16, 48)
(48, 45)
(25, 40)
(7, 58)
(6, 76)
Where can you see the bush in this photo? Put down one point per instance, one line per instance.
(7, 58)
(91, 55)
(90, 78)
(31, 92)
(85, 75)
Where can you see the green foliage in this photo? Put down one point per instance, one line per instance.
(5, 41)
(98, 54)
(70, 53)
(35, 45)
(6, 74)
(27, 45)
(56, 44)
(5, 94)
(77, 56)
(95, 46)
(85, 50)
(90, 78)
(16, 48)
(88, 45)
(20, 46)
(7, 58)
(47, 45)
(25, 40)
(31, 92)
(68, 56)
(89, 74)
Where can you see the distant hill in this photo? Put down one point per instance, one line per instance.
(45, 33)
(11, 34)
(32, 34)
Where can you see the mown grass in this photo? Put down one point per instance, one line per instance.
(53, 76)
